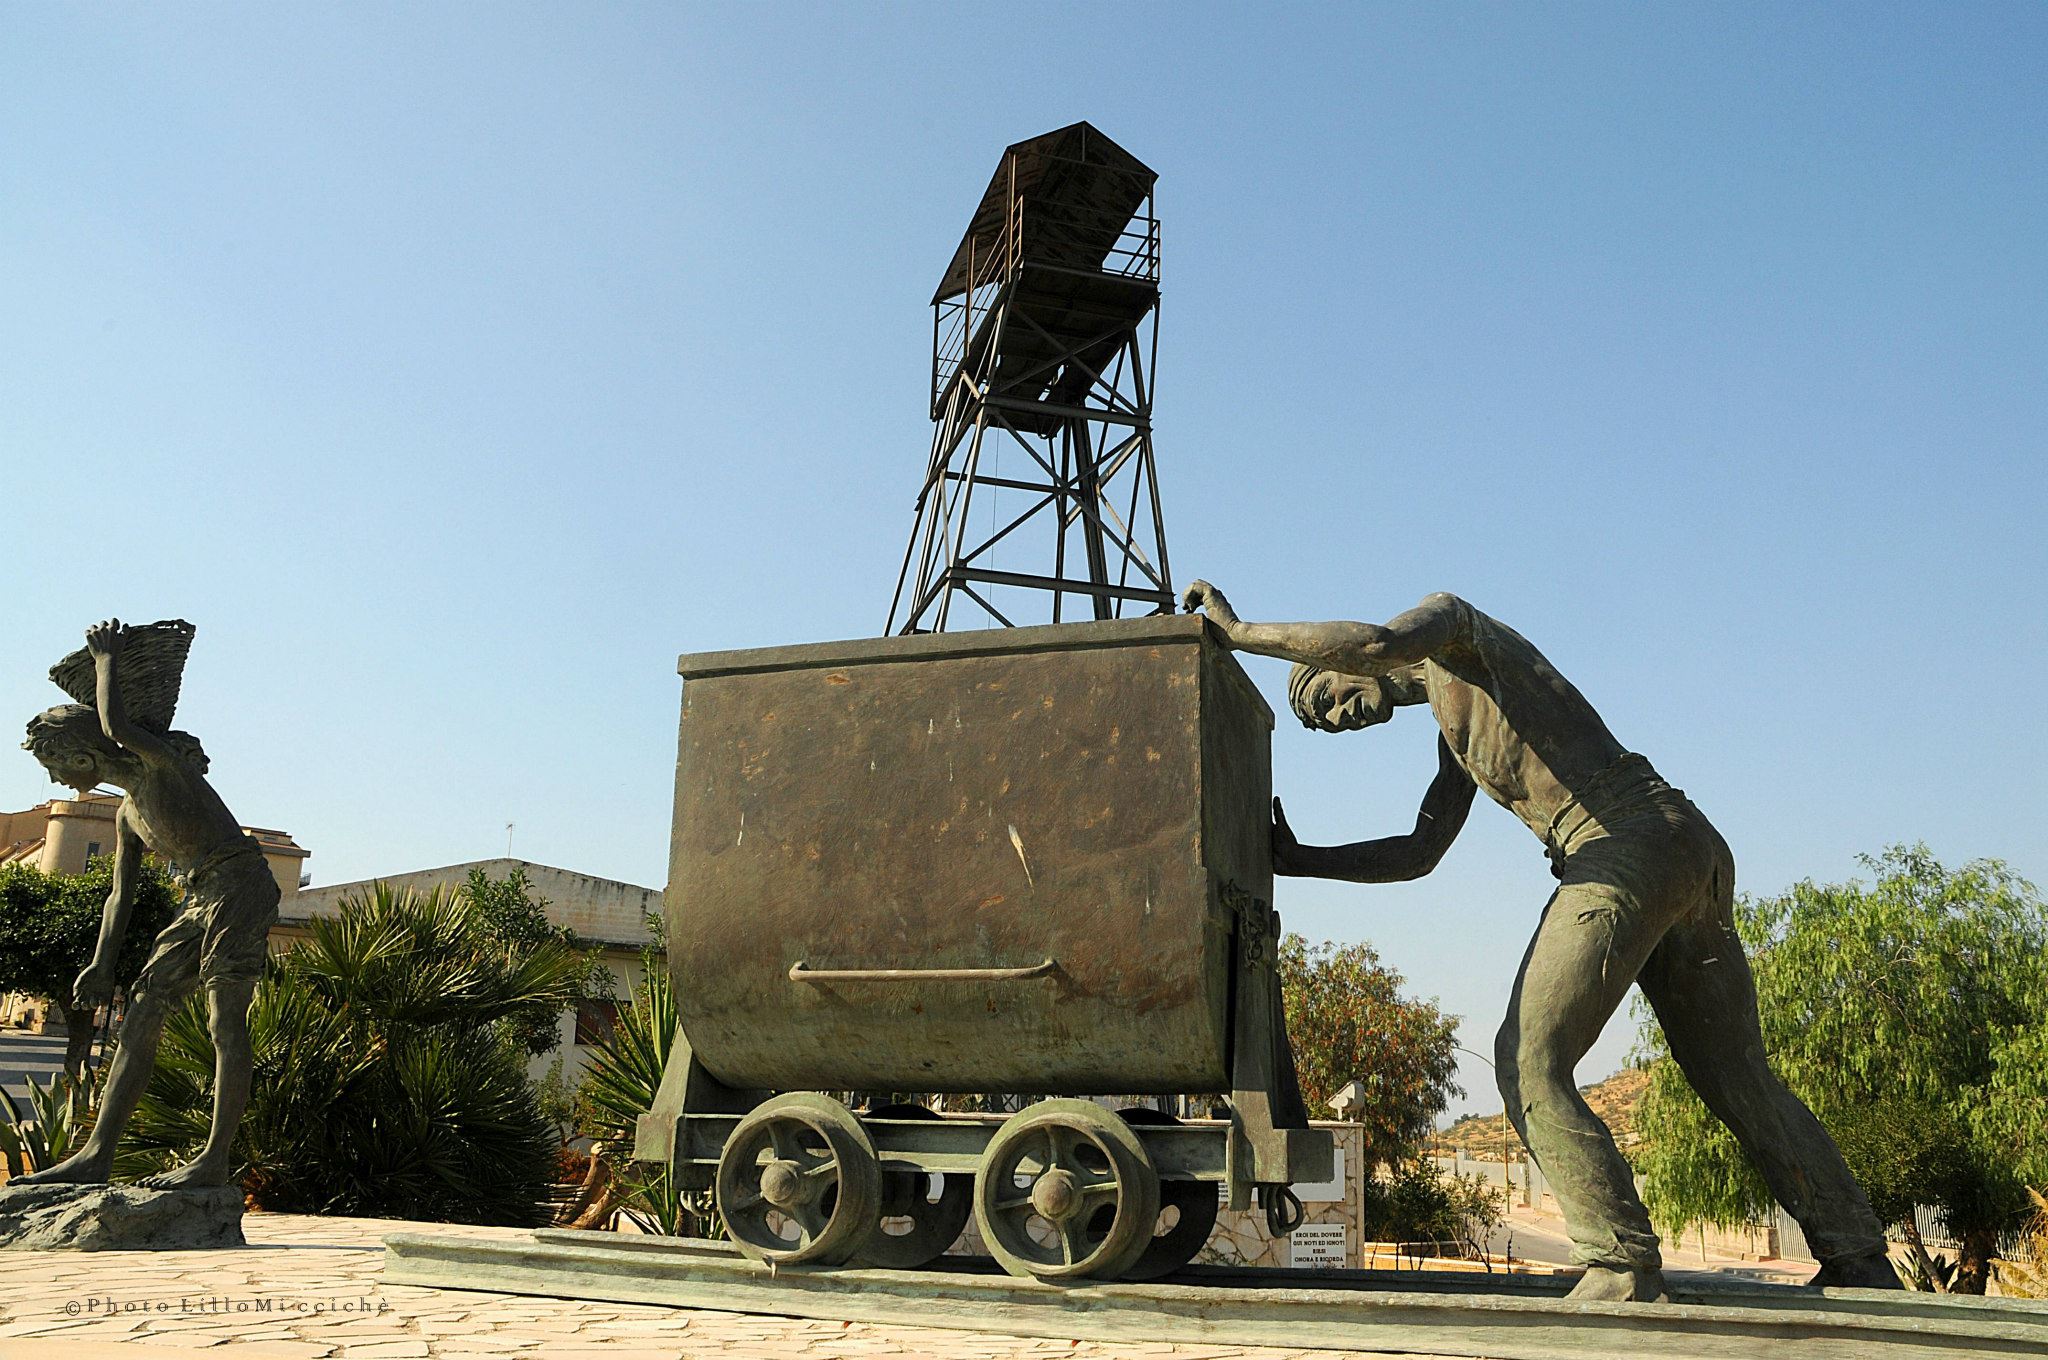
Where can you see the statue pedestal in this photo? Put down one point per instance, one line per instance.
(118, 1218)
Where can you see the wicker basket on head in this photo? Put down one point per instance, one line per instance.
(150, 669)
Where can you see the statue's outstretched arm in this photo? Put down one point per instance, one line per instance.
(1349, 648)
(1392, 859)
(105, 641)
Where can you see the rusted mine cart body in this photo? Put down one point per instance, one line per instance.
(988, 801)
(1022, 860)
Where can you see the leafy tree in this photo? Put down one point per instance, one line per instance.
(1415, 1202)
(50, 926)
(1911, 1015)
(390, 1069)
(515, 915)
(1348, 1022)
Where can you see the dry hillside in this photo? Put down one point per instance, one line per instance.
(1614, 1100)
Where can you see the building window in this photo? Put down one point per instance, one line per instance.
(595, 1020)
(92, 850)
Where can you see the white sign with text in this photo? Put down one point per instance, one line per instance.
(1317, 1245)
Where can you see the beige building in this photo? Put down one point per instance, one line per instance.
(60, 836)
(610, 915)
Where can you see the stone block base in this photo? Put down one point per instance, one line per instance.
(118, 1218)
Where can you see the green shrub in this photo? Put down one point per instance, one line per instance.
(58, 1119)
(390, 1069)
(1415, 1202)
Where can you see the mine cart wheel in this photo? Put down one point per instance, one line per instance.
(1187, 1214)
(1082, 1177)
(798, 1182)
(916, 1226)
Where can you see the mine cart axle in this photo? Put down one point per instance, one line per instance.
(1064, 1190)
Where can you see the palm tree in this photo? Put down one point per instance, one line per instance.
(390, 1081)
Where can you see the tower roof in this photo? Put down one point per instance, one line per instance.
(1084, 187)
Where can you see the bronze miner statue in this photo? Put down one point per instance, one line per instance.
(127, 681)
(1645, 895)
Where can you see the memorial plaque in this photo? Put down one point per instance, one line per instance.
(1317, 1246)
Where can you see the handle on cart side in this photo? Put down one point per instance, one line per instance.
(799, 972)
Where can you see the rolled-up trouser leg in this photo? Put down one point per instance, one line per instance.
(1592, 940)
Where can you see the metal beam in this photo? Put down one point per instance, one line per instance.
(1069, 412)
(1019, 578)
(1508, 1317)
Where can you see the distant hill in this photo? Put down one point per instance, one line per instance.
(1614, 1100)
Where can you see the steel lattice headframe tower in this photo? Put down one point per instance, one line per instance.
(1044, 332)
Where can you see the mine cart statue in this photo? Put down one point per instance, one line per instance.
(1021, 860)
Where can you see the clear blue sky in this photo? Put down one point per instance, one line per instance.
(456, 366)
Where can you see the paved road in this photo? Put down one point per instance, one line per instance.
(26, 1055)
(1530, 1235)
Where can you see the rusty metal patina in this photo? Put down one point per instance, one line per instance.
(968, 862)
(1028, 860)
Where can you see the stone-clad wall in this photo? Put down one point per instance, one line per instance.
(1241, 1237)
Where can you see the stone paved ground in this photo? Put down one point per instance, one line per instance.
(310, 1288)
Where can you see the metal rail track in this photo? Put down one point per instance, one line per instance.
(1512, 1318)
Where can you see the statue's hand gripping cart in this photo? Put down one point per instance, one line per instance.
(1021, 860)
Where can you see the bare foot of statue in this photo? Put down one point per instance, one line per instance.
(80, 1168)
(1615, 1284)
(198, 1174)
(1870, 1270)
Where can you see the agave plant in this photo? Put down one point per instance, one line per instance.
(387, 1081)
(620, 1079)
(618, 1087)
(57, 1120)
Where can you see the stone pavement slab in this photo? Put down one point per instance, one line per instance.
(308, 1288)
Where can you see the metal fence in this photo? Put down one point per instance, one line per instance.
(1529, 1187)
(1934, 1231)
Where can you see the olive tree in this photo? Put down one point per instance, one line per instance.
(1348, 1021)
